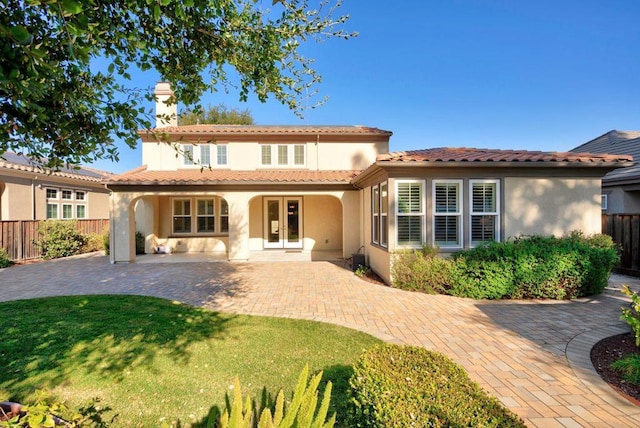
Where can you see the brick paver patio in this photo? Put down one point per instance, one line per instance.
(534, 356)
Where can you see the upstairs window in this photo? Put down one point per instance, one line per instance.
(204, 155)
(283, 155)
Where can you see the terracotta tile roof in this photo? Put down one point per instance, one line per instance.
(224, 176)
(19, 162)
(463, 154)
(272, 129)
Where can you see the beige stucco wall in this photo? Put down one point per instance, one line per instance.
(245, 156)
(23, 195)
(322, 223)
(16, 199)
(551, 206)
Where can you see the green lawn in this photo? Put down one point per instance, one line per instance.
(152, 359)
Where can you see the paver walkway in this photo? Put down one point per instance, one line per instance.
(534, 356)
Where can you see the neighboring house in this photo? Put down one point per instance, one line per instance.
(29, 192)
(620, 188)
(331, 191)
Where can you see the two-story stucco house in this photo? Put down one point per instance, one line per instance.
(331, 191)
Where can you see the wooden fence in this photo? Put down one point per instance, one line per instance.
(17, 237)
(625, 230)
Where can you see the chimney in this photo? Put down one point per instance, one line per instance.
(163, 93)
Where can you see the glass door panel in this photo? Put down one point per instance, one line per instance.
(283, 222)
(293, 224)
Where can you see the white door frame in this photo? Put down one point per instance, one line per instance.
(281, 224)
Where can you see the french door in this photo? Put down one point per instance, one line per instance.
(283, 222)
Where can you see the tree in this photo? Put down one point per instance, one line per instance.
(220, 114)
(53, 105)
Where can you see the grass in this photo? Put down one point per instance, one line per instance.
(154, 360)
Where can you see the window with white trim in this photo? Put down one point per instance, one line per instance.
(447, 213)
(484, 211)
(224, 216)
(410, 213)
(67, 194)
(52, 210)
(384, 207)
(379, 209)
(206, 219)
(283, 158)
(182, 216)
(67, 211)
(283, 155)
(207, 155)
(604, 202)
(187, 154)
(221, 154)
(375, 214)
(209, 216)
(65, 204)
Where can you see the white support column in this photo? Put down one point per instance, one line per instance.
(122, 228)
(238, 226)
(144, 213)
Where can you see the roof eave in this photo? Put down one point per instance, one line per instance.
(506, 164)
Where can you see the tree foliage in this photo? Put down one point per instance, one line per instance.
(220, 114)
(54, 105)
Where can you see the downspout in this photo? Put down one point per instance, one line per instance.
(33, 197)
(112, 241)
(317, 152)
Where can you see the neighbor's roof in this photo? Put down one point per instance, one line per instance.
(618, 142)
(19, 162)
(470, 155)
(142, 176)
(626, 142)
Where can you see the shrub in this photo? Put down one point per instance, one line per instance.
(540, 267)
(139, 243)
(480, 279)
(94, 242)
(301, 412)
(5, 260)
(630, 368)
(403, 386)
(106, 242)
(421, 270)
(59, 238)
(631, 315)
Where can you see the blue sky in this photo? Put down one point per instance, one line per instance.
(506, 74)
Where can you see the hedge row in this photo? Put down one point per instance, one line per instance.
(404, 386)
(525, 267)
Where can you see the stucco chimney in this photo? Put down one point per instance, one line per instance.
(163, 92)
